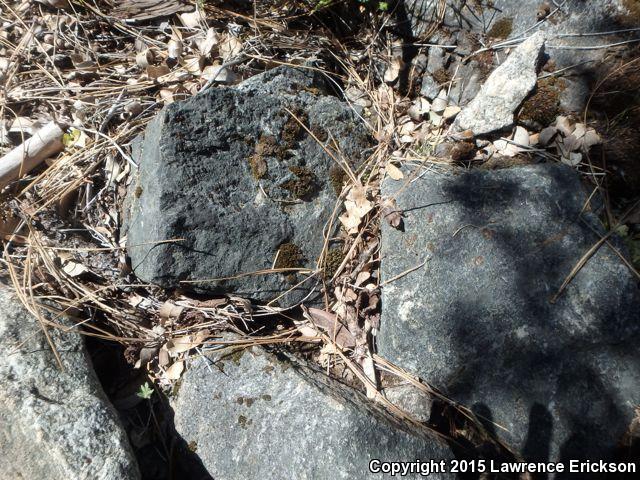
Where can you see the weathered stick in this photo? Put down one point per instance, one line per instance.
(45, 142)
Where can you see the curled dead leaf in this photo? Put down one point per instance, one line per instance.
(147, 353)
(390, 212)
(183, 344)
(357, 206)
(230, 47)
(394, 172)
(174, 371)
(169, 311)
(393, 70)
(329, 324)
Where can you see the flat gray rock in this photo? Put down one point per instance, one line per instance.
(494, 106)
(561, 379)
(54, 425)
(253, 415)
(233, 175)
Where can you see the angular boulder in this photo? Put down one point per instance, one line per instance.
(241, 185)
(253, 415)
(559, 377)
(54, 424)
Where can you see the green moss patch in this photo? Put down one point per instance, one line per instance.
(292, 130)
(289, 256)
(337, 178)
(258, 166)
(543, 106)
(332, 261)
(501, 29)
(632, 18)
(304, 185)
(442, 76)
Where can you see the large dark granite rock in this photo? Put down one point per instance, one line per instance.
(54, 424)
(561, 379)
(258, 416)
(234, 174)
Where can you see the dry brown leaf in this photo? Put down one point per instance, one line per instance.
(307, 330)
(145, 58)
(329, 324)
(450, 112)
(230, 47)
(157, 71)
(357, 206)
(74, 269)
(169, 311)
(174, 48)
(212, 303)
(206, 44)
(362, 277)
(163, 357)
(393, 70)
(147, 353)
(179, 345)
(193, 64)
(591, 138)
(390, 212)
(174, 371)
(394, 172)
(166, 96)
(192, 19)
(219, 74)
(546, 135)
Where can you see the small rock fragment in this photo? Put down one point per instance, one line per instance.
(440, 102)
(493, 107)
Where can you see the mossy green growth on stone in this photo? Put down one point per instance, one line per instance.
(289, 256)
(304, 185)
(292, 129)
(337, 177)
(501, 29)
(632, 18)
(258, 166)
(332, 261)
(543, 106)
(244, 422)
(442, 76)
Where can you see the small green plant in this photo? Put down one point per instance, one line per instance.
(145, 391)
